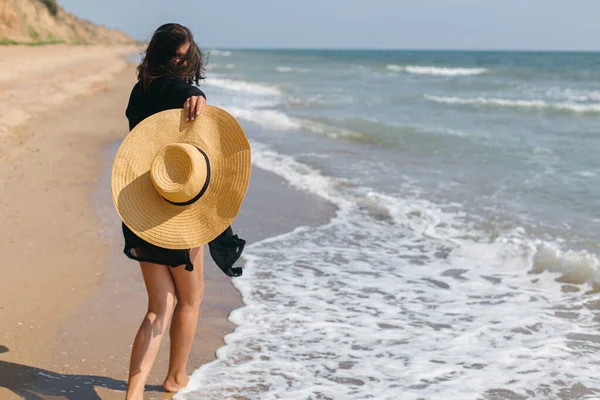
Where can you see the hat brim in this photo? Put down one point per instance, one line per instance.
(151, 217)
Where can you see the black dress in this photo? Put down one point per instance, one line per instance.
(165, 94)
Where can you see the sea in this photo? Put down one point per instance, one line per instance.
(463, 261)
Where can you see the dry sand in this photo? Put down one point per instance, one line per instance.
(59, 106)
(33, 79)
(70, 301)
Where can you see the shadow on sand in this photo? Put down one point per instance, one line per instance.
(32, 383)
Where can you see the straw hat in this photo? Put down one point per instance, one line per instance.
(179, 184)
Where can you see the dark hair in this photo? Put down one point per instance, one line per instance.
(159, 58)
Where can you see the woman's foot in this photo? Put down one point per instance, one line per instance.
(175, 384)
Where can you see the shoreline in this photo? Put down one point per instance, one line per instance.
(71, 301)
(121, 298)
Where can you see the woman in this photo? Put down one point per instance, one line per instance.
(173, 278)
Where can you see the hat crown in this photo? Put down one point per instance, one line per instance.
(178, 172)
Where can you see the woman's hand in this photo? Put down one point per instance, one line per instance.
(193, 106)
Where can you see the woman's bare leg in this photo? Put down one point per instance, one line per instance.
(161, 297)
(189, 291)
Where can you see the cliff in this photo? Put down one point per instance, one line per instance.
(44, 21)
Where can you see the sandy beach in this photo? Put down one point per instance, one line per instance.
(421, 221)
(60, 105)
(70, 302)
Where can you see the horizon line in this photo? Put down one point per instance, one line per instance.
(499, 50)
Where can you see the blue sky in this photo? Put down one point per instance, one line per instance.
(391, 24)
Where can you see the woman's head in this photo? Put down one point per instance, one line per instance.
(172, 51)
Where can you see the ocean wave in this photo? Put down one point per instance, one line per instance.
(243, 86)
(419, 310)
(436, 71)
(291, 69)
(574, 95)
(332, 99)
(213, 67)
(539, 150)
(454, 132)
(297, 174)
(273, 119)
(337, 132)
(264, 117)
(526, 104)
(575, 267)
(223, 53)
(429, 220)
